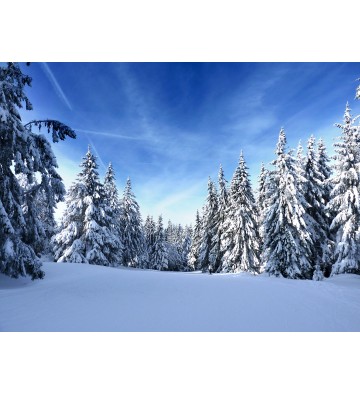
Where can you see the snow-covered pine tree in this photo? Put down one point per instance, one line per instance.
(261, 191)
(325, 173)
(39, 212)
(85, 234)
(241, 241)
(208, 250)
(131, 228)
(315, 196)
(221, 217)
(345, 198)
(27, 153)
(186, 247)
(149, 234)
(159, 259)
(357, 94)
(193, 257)
(288, 229)
(114, 212)
(261, 202)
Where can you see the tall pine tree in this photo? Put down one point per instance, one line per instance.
(345, 203)
(315, 197)
(27, 153)
(288, 230)
(131, 228)
(159, 258)
(208, 250)
(85, 234)
(112, 203)
(193, 257)
(241, 241)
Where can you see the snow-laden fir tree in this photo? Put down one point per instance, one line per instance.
(325, 173)
(221, 217)
(149, 234)
(112, 203)
(261, 201)
(27, 153)
(38, 211)
(132, 231)
(241, 241)
(357, 94)
(345, 203)
(315, 195)
(86, 234)
(193, 257)
(159, 259)
(209, 248)
(288, 229)
(186, 247)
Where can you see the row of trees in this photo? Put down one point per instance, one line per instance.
(304, 222)
(99, 228)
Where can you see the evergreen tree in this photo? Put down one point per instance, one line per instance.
(186, 248)
(85, 234)
(131, 229)
(193, 257)
(39, 212)
(261, 202)
(221, 217)
(241, 241)
(160, 259)
(315, 197)
(345, 198)
(27, 153)
(287, 228)
(112, 203)
(208, 250)
(149, 233)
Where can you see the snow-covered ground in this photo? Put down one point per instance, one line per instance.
(80, 297)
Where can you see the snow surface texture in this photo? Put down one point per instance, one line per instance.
(79, 297)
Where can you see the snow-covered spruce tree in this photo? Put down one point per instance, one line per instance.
(345, 198)
(39, 211)
(221, 217)
(27, 153)
(186, 247)
(149, 234)
(131, 228)
(208, 250)
(315, 192)
(193, 257)
(85, 234)
(261, 202)
(357, 94)
(112, 203)
(288, 229)
(325, 173)
(241, 240)
(159, 259)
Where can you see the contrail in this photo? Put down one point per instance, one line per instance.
(113, 135)
(97, 154)
(55, 84)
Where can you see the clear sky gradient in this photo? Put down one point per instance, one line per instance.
(168, 126)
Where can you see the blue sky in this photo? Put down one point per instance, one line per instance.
(168, 126)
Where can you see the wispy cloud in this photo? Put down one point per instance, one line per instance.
(49, 74)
